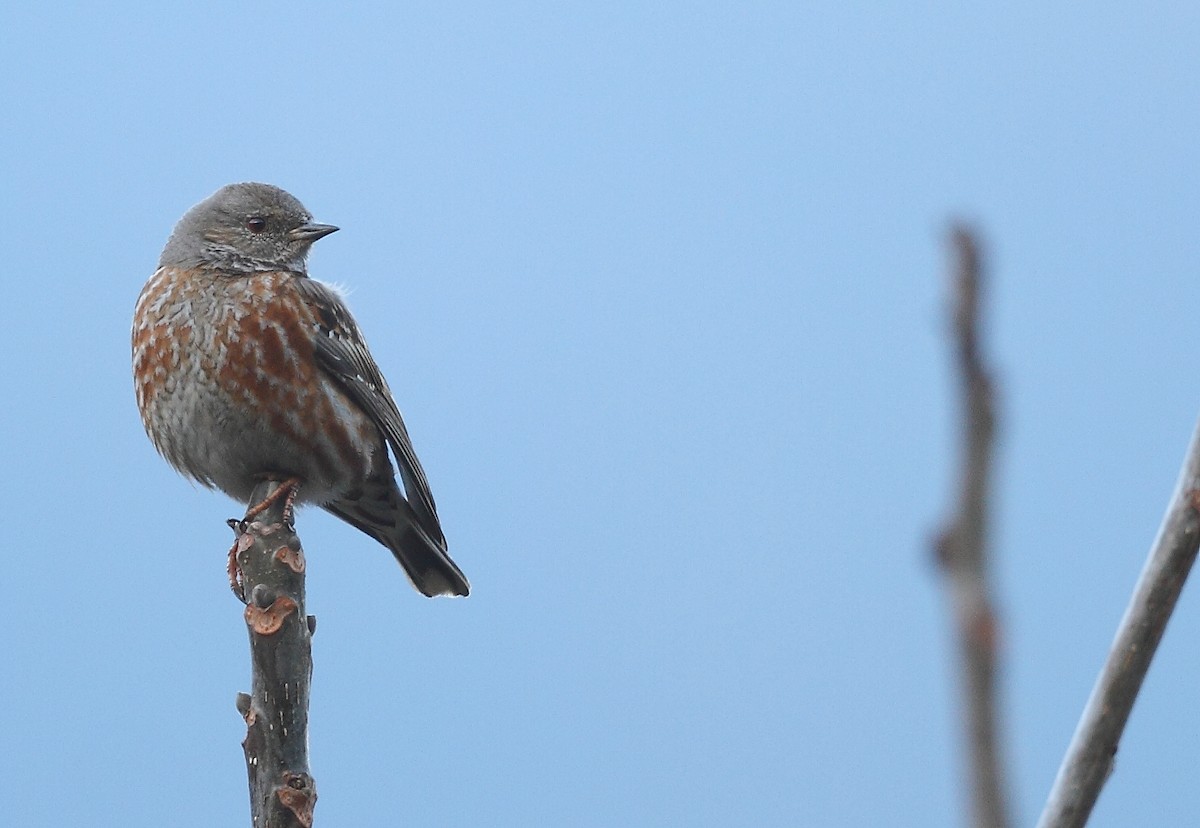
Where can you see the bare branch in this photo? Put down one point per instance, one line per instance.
(1090, 756)
(962, 544)
(270, 562)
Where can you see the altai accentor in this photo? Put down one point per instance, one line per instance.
(247, 369)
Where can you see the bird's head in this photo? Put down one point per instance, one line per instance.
(245, 228)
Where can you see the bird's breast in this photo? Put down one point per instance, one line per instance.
(229, 388)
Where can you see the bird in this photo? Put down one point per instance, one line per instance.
(247, 369)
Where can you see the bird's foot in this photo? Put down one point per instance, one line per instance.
(232, 567)
(288, 488)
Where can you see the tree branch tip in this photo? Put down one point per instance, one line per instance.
(270, 559)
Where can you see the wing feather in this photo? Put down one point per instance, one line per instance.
(342, 353)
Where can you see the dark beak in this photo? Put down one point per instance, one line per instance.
(312, 231)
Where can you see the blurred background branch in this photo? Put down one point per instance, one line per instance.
(1092, 752)
(961, 545)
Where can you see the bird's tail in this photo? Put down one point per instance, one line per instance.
(381, 511)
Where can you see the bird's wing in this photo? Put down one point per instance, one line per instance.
(342, 353)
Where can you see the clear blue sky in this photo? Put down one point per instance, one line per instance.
(659, 289)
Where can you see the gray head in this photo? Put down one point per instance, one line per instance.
(244, 228)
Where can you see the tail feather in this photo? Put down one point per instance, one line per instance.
(381, 511)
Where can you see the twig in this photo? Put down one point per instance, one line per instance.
(1090, 756)
(962, 544)
(268, 553)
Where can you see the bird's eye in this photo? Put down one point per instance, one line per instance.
(256, 224)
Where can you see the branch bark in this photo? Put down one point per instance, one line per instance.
(961, 546)
(1090, 756)
(271, 564)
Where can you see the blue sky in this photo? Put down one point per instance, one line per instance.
(659, 289)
